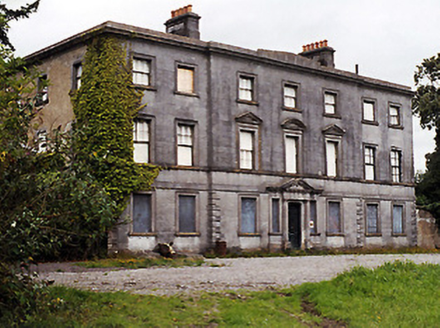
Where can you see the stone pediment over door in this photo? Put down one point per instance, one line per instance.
(333, 130)
(294, 186)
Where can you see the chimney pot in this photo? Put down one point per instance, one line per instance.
(321, 44)
(325, 43)
(316, 45)
(190, 8)
(304, 48)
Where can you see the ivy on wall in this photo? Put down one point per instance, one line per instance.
(105, 106)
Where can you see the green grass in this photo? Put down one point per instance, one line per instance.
(394, 295)
(141, 262)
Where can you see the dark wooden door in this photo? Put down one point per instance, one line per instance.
(295, 225)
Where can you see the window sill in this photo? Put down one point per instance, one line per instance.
(370, 122)
(145, 87)
(398, 127)
(142, 234)
(373, 234)
(188, 94)
(187, 234)
(275, 233)
(315, 234)
(332, 116)
(248, 102)
(398, 235)
(291, 109)
(335, 234)
(249, 234)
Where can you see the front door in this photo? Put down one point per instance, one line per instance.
(295, 225)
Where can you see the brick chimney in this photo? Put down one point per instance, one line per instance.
(321, 52)
(184, 22)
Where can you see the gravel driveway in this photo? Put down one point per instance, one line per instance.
(226, 274)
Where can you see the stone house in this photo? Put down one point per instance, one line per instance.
(260, 149)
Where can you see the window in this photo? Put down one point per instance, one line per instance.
(291, 154)
(43, 90)
(141, 141)
(329, 103)
(275, 215)
(334, 218)
(77, 73)
(185, 79)
(141, 71)
(396, 165)
(394, 115)
(313, 217)
(398, 226)
(368, 111)
(187, 214)
(290, 97)
(372, 219)
(246, 88)
(332, 158)
(142, 213)
(246, 150)
(42, 141)
(185, 145)
(369, 162)
(248, 215)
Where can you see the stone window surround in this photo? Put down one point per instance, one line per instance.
(193, 125)
(152, 61)
(254, 79)
(153, 212)
(341, 217)
(257, 215)
(375, 111)
(337, 105)
(375, 202)
(296, 86)
(196, 213)
(189, 66)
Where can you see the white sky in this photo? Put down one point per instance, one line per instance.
(387, 38)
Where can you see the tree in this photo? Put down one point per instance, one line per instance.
(426, 105)
(7, 15)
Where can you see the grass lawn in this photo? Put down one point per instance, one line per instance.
(394, 295)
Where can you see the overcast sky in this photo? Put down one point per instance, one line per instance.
(387, 38)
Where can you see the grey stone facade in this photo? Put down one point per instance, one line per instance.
(353, 201)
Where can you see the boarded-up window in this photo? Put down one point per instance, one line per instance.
(246, 150)
(368, 111)
(290, 96)
(246, 88)
(275, 215)
(313, 217)
(396, 165)
(291, 154)
(248, 215)
(187, 214)
(372, 218)
(141, 71)
(184, 145)
(394, 115)
(185, 79)
(334, 217)
(398, 226)
(370, 160)
(332, 158)
(330, 103)
(141, 141)
(142, 213)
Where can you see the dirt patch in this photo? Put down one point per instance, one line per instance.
(310, 308)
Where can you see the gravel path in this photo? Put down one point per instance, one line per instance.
(226, 274)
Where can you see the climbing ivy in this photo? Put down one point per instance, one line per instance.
(105, 106)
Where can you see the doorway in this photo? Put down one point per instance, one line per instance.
(294, 213)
